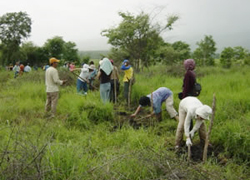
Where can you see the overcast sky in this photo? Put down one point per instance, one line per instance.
(81, 21)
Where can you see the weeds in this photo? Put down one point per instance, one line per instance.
(80, 142)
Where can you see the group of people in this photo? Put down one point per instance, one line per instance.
(19, 69)
(108, 75)
(190, 107)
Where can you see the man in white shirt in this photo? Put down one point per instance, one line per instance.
(52, 81)
(27, 68)
(191, 108)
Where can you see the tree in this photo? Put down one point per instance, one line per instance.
(239, 52)
(166, 54)
(183, 50)
(226, 57)
(207, 50)
(136, 36)
(55, 47)
(14, 28)
(29, 53)
(70, 52)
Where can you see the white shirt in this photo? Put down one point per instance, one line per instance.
(84, 74)
(189, 105)
(27, 69)
(52, 80)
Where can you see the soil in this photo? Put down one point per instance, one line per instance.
(123, 117)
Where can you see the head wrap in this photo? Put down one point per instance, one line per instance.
(204, 112)
(106, 66)
(189, 64)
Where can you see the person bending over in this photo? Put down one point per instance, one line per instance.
(191, 108)
(159, 96)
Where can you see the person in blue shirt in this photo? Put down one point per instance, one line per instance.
(159, 96)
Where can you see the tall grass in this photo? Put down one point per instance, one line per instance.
(80, 143)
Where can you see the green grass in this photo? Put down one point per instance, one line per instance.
(80, 143)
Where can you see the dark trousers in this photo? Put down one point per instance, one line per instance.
(112, 90)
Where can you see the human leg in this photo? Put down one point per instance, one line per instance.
(85, 87)
(126, 89)
(48, 102)
(202, 133)
(170, 107)
(54, 99)
(180, 127)
(79, 85)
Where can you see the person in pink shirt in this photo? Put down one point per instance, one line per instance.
(72, 66)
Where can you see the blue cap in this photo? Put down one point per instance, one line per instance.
(125, 61)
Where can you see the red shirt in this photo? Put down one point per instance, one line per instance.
(21, 67)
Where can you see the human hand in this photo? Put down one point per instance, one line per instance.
(64, 81)
(188, 142)
(132, 115)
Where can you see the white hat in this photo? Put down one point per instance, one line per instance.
(100, 62)
(92, 67)
(204, 111)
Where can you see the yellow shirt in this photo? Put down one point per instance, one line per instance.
(128, 74)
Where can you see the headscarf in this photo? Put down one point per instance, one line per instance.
(106, 66)
(189, 64)
(204, 111)
(124, 67)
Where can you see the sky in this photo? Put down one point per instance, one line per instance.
(81, 21)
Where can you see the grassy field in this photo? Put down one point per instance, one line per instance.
(82, 143)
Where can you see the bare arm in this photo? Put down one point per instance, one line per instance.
(98, 74)
(187, 124)
(136, 112)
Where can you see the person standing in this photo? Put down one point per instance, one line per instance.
(159, 96)
(92, 75)
(82, 80)
(21, 69)
(104, 74)
(52, 81)
(16, 69)
(191, 108)
(115, 84)
(189, 79)
(128, 70)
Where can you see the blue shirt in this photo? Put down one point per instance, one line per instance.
(159, 96)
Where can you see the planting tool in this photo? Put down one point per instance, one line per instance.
(189, 151)
(210, 129)
(84, 80)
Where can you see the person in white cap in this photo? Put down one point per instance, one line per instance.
(191, 108)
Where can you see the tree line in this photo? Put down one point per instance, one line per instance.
(137, 38)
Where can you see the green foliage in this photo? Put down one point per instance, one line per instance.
(137, 36)
(70, 52)
(55, 47)
(226, 57)
(14, 28)
(85, 59)
(80, 143)
(183, 50)
(206, 50)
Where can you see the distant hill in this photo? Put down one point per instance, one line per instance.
(94, 54)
